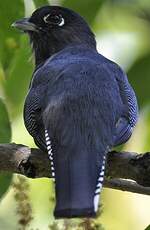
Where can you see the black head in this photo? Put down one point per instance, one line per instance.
(52, 28)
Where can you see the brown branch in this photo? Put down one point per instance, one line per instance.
(129, 165)
(120, 169)
(127, 186)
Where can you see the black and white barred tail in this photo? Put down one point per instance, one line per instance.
(50, 153)
(99, 185)
(76, 194)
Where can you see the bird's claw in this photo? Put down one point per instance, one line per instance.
(27, 168)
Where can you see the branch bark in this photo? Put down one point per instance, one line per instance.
(121, 167)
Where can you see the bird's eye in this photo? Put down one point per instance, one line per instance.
(54, 19)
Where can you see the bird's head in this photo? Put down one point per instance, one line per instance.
(52, 28)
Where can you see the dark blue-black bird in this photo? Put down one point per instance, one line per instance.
(79, 105)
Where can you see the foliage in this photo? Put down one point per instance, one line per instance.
(148, 228)
(5, 137)
(139, 76)
(17, 78)
(83, 8)
(5, 181)
(24, 210)
(5, 128)
(39, 3)
(8, 37)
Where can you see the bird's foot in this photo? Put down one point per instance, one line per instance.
(27, 168)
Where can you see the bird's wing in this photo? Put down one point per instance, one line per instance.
(33, 118)
(34, 104)
(128, 120)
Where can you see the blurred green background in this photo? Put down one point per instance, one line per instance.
(122, 29)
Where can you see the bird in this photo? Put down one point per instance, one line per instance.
(78, 107)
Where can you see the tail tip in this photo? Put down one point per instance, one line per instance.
(75, 213)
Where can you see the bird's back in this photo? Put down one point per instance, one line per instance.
(77, 89)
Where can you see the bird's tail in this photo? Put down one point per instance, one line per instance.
(78, 176)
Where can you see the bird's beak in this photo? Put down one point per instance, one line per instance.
(25, 25)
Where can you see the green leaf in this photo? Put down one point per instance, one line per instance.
(5, 136)
(5, 128)
(40, 3)
(8, 36)
(87, 8)
(139, 77)
(148, 228)
(2, 74)
(19, 76)
(5, 181)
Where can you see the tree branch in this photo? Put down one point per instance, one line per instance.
(121, 168)
(127, 186)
